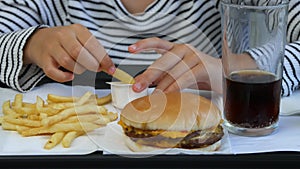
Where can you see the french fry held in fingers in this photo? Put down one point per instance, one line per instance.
(61, 118)
(123, 76)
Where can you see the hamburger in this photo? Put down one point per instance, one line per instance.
(172, 120)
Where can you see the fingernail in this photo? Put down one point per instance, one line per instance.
(132, 47)
(137, 86)
(112, 70)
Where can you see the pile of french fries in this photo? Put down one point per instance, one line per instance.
(62, 118)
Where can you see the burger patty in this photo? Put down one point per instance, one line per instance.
(202, 138)
(161, 138)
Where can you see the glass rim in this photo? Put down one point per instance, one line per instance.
(283, 4)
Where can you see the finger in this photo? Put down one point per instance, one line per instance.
(189, 78)
(198, 77)
(66, 61)
(94, 47)
(160, 45)
(80, 54)
(149, 76)
(161, 66)
(190, 59)
(144, 80)
(52, 71)
(142, 83)
(156, 81)
(107, 65)
(98, 51)
(167, 81)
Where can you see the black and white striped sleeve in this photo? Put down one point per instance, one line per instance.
(291, 64)
(291, 71)
(19, 19)
(13, 72)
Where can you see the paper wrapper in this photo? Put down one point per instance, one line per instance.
(12, 143)
(114, 143)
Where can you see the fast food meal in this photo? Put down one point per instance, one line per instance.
(62, 118)
(172, 120)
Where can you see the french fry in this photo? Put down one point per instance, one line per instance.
(84, 126)
(104, 119)
(10, 126)
(123, 76)
(25, 104)
(17, 106)
(81, 118)
(80, 101)
(41, 108)
(25, 110)
(104, 100)
(88, 117)
(34, 117)
(22, 122)
(83, 99)
(61, 105)
(69, 137)
(54, 140)
(19, 129)
(18, 102)
(64, 118)
(112, 116)
(6, 109)
(39, 104)
(79, 110)
(58, 99)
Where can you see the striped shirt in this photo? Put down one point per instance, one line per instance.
(196, 22)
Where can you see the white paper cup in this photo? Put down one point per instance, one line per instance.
(122, 94)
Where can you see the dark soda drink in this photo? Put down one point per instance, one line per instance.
(252, 98)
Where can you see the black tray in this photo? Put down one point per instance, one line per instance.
(98, 160)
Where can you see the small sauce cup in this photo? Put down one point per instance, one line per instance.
(122, 94)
